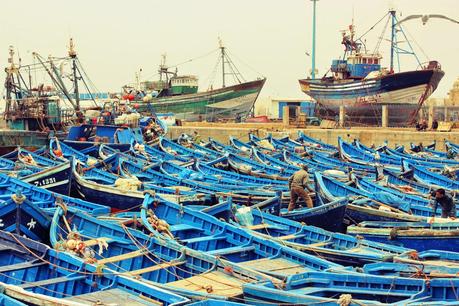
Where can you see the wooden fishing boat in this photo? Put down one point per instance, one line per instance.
(420, 236)
(314, 143)
(248, 166)
(239, 145)
(211, 169)
(413, 204)
(173, 148)
(353, 154)
(86, 135)
(362, 207)
(5, 300)
(336, 247)
(222, 148)
(152, 178)
(184, 172)
(43, 198)
(328, 160)
(159, 262)
(351, 289)
(36, 274)
(20, 215)
(413, 270)
(374, 157)
(424, 176)
(204, 233)
(273, 161)
(25, 208)
(421, 159)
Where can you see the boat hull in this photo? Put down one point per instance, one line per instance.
(56, 179)
(223, 103)
(402, 93)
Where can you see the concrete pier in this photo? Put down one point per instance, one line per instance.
(368, 136)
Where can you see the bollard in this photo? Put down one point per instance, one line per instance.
(430, 116)
(286, 116)
(385, 116)
(342, 113)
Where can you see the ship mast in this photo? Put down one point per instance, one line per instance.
(222, 49)
(73, 56)
(392, 39)
(313, 56)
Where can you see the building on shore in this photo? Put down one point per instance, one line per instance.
(273, 108)
(446, 108)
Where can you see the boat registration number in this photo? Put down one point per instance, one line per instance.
(50, 180)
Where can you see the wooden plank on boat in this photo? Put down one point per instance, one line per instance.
(154, 268)
(113, 297)
(259, 226)
(287, 237)
(21, 266)
(216, 282)
(50, 281)
(122, 256)
(276, 265)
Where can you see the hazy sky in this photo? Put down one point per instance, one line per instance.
(116, 38)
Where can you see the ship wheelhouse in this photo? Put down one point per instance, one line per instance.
(356, 66)
(187, 84)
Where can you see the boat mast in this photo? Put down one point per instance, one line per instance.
(313, 69)
(73, 55)
(222, 48)
(392, 40)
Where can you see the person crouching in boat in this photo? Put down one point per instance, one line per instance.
(297, 184)
(448, 207)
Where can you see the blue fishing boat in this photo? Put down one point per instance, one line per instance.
(184, 171)
(273, 161)
(84, 136)
(413, 204)
(159, 262)
(209, 169)
(420, 236)
(351, 289)
(222, 148)
(424, 176)
(5, 300)
(239, 145)
(314, 143)
(422, 159)
(45, 199)
(248, 166)
(336, 247)
(295, 159)
(204, 233)
(20, 215)
(374, 157)
(412, 270)
(36, 274)
(169, 146)
(362, 206)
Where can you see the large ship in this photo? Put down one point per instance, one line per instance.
(360, 83)
(179, 94)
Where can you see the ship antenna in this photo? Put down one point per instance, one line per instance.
(313, 57)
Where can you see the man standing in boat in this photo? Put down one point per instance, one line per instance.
(448, 207)
(297, 184)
